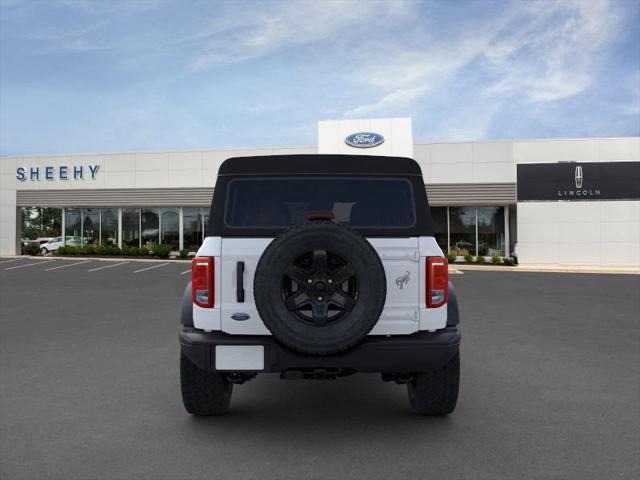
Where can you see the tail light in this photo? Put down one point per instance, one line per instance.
(437, 282)
(202, 283)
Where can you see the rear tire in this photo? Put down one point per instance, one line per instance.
(203, 393)
(436, 393)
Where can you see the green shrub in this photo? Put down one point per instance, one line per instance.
(451, 257)
(71, 250)
(468, 258)
(113, 250)
(61, 251)
(89, 250)
(496, 259)
(184, 253)
(481, 260)
(162, 251)
(509, 261)
(31, 249)
(135, 251)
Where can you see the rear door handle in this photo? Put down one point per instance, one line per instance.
(240, 282)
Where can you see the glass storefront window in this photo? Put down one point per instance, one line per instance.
(73, 227)
(90, 226)
(109, 226)
(170, 227)
(439, 216)
(131, 227)
(205, 220)
(490, 231)
(192, 228)
(150, 226)
(462, 223)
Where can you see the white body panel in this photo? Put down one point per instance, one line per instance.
(404, 263)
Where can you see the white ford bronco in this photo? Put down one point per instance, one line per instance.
(315, 267)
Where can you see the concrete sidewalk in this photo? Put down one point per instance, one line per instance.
(546, 268)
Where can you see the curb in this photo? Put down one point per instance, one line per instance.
(549, 269)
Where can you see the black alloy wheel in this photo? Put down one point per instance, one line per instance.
(320, 287)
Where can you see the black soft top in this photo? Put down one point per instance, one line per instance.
(320, 164)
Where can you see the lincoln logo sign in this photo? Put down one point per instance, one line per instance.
(579, 177)
(569, 181)
(364, 140)
(61, 172)
(578, 191)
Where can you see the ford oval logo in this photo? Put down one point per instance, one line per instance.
(364, 139)
(240, 317)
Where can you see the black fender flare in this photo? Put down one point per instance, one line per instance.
(453, 312)
(186, 308)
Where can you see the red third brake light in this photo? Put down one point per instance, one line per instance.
(202, 281)
(437, 282)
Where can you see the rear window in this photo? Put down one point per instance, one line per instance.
(283, 201)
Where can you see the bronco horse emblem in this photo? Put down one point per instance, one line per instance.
(402, 280)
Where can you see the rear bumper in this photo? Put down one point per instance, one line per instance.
(419, 352)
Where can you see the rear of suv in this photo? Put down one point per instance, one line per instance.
(314, 267)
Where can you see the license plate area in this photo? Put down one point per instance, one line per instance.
(239, 357)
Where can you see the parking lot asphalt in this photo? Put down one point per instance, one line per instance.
(89, 387)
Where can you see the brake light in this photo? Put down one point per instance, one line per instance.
(437, 281)
(202, 282)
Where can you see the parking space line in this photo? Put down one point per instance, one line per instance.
(185, 272)
(9, 261)
(30, 264)
(108, 266)
(65, 266)
(149, 268)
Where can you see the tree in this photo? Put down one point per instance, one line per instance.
(41, 222)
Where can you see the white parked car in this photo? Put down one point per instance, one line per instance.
(57, 242)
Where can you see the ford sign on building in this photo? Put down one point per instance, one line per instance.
(364, 140)
(552, 202)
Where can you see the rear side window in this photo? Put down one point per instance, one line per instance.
(283, 201)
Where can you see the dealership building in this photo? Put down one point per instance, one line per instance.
(564, 202)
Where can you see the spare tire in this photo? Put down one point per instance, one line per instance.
(320, 288)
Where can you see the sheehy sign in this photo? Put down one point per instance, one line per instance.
(576, 181)
(60, 172)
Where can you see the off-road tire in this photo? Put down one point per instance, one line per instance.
(436, 393)
(203, 393)
(334, 337)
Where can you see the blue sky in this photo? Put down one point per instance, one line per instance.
(104, 76)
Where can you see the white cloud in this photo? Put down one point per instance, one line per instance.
(537, 51)
(286, 25)
(552, 55)
(398, 98)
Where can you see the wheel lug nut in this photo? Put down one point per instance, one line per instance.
(320, 298)
(329, 281)
(309, 281)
